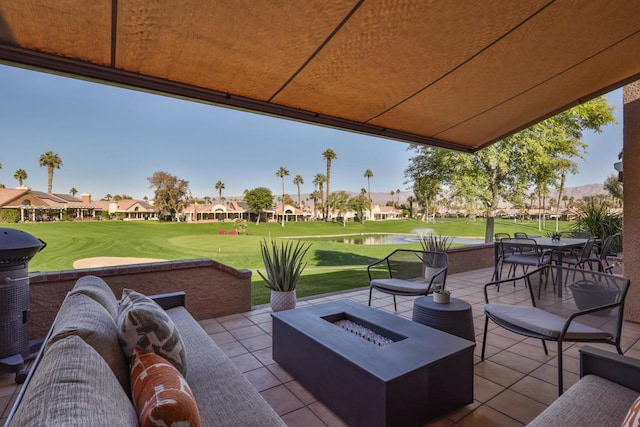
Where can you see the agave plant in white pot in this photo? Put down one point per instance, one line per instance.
(283, 263)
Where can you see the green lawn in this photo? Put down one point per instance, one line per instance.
(331, 266)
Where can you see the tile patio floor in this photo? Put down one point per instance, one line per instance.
(515, 383)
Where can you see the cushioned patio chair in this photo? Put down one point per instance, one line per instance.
(521, 252)
(408, 272)
(591, 312)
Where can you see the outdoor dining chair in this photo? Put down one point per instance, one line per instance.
(592, 313)
(408, 272)
(521, 252)
(580, 258)
(605, 249)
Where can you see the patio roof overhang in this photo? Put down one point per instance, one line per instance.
(459, 75)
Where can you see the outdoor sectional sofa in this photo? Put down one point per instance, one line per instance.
(606, 392)
(81, 376)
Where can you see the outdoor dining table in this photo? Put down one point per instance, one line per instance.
(557, 246)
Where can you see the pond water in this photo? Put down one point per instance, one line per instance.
(390, 239)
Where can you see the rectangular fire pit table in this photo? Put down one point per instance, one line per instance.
(423, 374)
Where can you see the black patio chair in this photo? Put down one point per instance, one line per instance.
(601, 257)
(408, 272)
(521, 252)
(591, 312)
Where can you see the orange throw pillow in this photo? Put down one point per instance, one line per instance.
(633, 416)
(160, 393)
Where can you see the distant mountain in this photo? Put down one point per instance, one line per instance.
(581, 191)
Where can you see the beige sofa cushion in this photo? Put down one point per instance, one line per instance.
(225, 397)
(73, 386)
(98, 290)
(86, 318)
(592, 401)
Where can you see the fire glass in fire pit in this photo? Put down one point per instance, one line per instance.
(363, 329)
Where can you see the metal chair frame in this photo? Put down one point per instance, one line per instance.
(425, 258)
(615, 339)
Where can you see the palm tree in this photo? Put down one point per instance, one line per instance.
(398, 194)
(328, 155)
(319, 181)
(220, 187)
(282, 172)
(52, 161)
(369, 174)
(20, 175)
(298, 180)
(315, 196)
(392, 194)
(73, 191)
(411, 200)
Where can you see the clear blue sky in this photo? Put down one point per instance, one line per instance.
(111, 140)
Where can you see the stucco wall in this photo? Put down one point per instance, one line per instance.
(631, 242)
(212, 289)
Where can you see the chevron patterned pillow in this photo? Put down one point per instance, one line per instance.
(143, 324)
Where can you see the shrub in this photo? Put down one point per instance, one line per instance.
(9, 215)
(595, 218)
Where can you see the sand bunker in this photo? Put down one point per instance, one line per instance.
(111, 261)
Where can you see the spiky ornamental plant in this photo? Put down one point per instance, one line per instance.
(283, 264)
(435, 243)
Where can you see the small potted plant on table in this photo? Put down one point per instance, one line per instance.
(283, 266)
(442, 295)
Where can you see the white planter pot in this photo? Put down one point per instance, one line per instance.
(441, 298)
(283, 300)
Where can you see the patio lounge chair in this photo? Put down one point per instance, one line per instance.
(594, 313)
(408, 272)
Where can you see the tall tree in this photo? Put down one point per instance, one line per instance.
(359, 203)
(338, 201)
(171, 194)
(73, 191)
(411, 200)
(532, 157)
(52, 161)
(369, 174)
(298, 181)
(259, 199)
(281, 173)
(319, 181)
(220, 187)
(315, 196)
(614, 188)
(20, 175)
(329, 155)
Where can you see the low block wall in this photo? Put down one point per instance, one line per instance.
(468, 258)
(212, 289)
